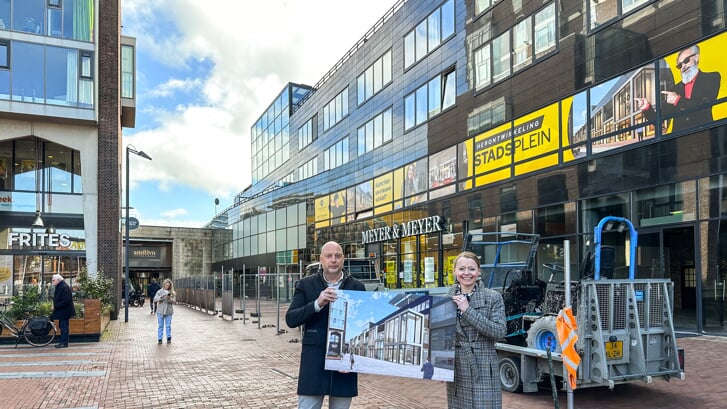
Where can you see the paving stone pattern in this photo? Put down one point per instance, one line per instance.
(221, 363)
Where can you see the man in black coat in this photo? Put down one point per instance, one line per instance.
(310, 309)
(689, 103)
(151, 291)
(63, 308)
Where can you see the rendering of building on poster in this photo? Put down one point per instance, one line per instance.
(392, 333)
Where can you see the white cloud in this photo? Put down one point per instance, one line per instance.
(174, 213)
(173, 223)
(253, 48)
(195, 147)
(173, 85)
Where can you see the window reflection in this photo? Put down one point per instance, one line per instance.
(501, 57)
(430, 99)
(522, 44)
(603, 11)
(666, 204)
(429, 34)
(593, 210)
(59, 167)
(72, 19)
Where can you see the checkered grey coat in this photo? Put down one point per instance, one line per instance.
(476, 379)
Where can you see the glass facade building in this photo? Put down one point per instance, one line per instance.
(60, 138)
(534, 117)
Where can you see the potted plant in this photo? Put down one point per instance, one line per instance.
(95, 294)
(26, 304)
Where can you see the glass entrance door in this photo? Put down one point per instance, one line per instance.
(669, 253)
(714, 283)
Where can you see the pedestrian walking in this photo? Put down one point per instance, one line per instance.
(63, 309)
(427, 370)
(151, 291)
(165, 298)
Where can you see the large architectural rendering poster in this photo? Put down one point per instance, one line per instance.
(392, 333)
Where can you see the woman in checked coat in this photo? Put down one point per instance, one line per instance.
(480, 323)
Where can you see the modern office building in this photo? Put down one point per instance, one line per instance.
(518, 116)
(67, 87)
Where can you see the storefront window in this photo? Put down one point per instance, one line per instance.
(713, 196)
(593, 210)
(666, 204)
(555, 220)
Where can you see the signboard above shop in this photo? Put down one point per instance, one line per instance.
(426, 225)
(32, 240)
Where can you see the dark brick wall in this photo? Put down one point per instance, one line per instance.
(109, 142)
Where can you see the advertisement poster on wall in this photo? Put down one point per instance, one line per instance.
(323, 212)
(416, 326)
(3, 174)
(6, 276)
(428, 269)
(442, 173)
(464, 164)
(337, 202)
(383, 193)
(414, 186)
(408, 267)
(364, 199)
(351, 203)
(390, 273)
(692, 80)
(687, 93)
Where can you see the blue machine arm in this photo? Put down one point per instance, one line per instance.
(633, 242)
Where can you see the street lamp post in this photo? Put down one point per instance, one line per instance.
(129, 149)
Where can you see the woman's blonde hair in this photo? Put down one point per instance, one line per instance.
(466, 254)
(171, 286)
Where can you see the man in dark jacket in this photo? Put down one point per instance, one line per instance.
(151, 291)
(310, 309)
(63, 308)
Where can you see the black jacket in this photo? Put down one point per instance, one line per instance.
(63, 302)
(151, 289)
(313, 379)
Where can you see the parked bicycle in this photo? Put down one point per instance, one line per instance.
(36, 331)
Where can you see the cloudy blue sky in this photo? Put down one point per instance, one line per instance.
(366, 307)
(206, 70)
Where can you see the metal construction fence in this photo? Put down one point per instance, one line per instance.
(241, 295)
(198, 291)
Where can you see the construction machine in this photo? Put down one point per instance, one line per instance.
(625, 326)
